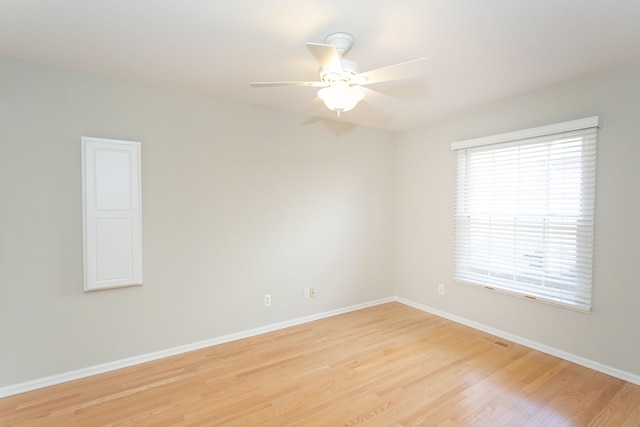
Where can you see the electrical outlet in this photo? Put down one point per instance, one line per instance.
(441, 289)
(312, 292)
(306, 292)
(267, 300)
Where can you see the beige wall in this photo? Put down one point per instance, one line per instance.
(425, 185)
(240, 201)
(237, 202)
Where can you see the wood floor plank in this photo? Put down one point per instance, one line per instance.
(389, 365)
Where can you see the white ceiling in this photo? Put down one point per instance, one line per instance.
(479, 51)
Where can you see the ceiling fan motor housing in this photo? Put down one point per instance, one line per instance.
(349, 70)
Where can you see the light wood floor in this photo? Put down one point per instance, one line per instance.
(383, 366)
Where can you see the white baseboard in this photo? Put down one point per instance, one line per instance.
(596, 366)
(124, 363)
(131, 361)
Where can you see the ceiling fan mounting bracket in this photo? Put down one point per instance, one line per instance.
(342, 41)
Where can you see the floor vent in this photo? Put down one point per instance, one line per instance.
(496, 342)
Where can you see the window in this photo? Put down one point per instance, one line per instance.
(525, 212)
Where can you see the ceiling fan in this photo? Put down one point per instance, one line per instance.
(342, 83)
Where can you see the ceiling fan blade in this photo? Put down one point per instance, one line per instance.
(404, 70)
(374, 97)
(314, 105)
(328, 57)
(279, 84)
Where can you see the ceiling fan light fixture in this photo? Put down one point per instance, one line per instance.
(341, 97)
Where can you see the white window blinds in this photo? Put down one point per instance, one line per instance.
(525, 212)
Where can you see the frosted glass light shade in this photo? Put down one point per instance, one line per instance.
(341, 97)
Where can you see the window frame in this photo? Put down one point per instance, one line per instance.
(525, 138)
